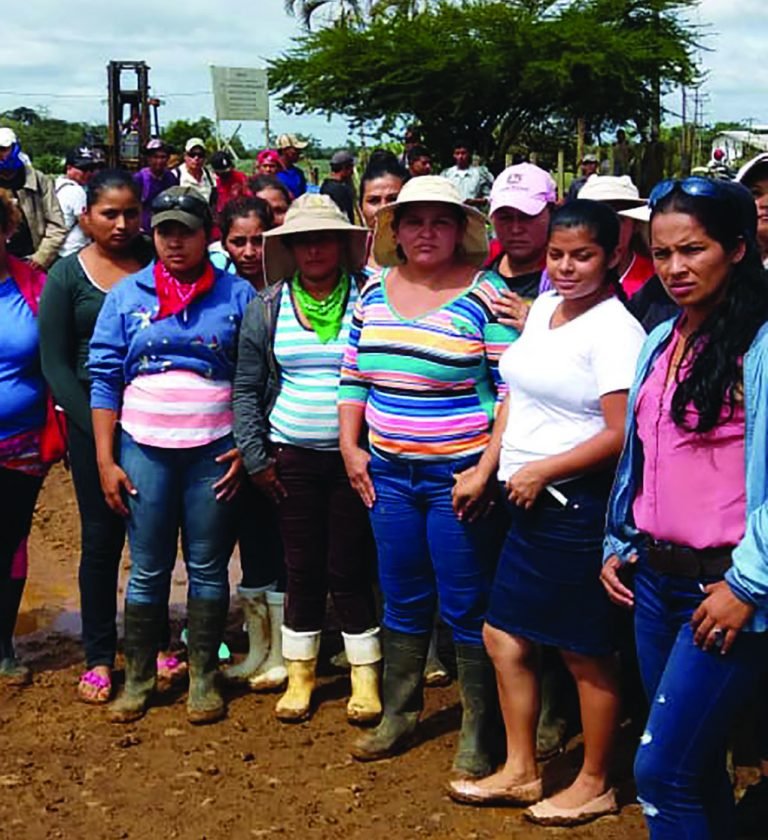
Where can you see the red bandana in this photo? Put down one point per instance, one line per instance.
(175, 296)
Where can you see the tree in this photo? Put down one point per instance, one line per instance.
(490, 70)
(177, 132)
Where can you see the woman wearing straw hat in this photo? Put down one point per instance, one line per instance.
(286, 427)
(421, 370)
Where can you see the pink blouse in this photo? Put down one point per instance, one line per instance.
(693, 490)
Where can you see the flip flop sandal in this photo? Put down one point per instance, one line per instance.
(103, 686)
(170, 668)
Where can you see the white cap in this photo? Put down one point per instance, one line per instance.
(7, 138)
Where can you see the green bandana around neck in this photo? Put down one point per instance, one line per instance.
(325, 316)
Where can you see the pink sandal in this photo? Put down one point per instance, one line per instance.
(101, 684)
(170, 668)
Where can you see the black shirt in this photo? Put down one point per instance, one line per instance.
(525, 285)
(343, 194)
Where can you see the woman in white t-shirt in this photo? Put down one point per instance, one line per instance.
(558, 437)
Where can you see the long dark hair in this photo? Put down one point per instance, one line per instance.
(603, 224)
(382, 162)
(241, 208)
(714, 378)
(109, 179)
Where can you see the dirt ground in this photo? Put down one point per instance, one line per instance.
(66, 772)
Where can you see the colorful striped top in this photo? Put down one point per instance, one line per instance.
(305, 412)
(177, 409)
(429, 384)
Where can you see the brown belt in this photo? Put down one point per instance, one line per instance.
(670, 559)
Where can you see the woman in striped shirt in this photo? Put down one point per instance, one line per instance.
(162, 361)
(286, 427)
(421, 370)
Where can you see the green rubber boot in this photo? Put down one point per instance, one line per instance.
(206, 620)
(144, 624)
(402, 695)
(480, 719)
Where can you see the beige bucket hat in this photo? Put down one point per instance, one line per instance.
(618, 192)
(423, 190)
(312, 212)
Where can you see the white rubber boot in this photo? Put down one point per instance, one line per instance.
(256, 615)
(300, 651)
(364, 654)
(272, 674)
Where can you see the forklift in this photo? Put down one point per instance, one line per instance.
(133, 117)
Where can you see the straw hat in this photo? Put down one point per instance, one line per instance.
(432, 189)
(312, 212)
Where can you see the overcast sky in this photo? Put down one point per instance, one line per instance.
(54, 54)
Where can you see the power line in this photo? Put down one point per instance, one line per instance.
(95, 95)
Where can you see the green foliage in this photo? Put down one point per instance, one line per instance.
(177, 132)
(491, 71)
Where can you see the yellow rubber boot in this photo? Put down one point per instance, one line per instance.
(364, 653)
(300, 651)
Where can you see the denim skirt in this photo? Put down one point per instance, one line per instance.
(547, 587)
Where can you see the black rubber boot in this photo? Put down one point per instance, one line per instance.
(143, 628)
(12, 672)
(402, 696)
(480, 721)
(205, 626)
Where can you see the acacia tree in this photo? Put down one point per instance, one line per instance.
(490, 70)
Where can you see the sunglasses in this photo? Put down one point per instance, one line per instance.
(696, 186)
(196, 154)
(188, 203)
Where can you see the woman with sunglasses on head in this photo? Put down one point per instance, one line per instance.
(73, 297)
(420, 371)
(162, 361)
(286, 427)
(697, 441)
(555, 444)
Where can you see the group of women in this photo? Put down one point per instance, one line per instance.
(342, 400)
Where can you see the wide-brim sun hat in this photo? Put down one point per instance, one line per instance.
(312, 213)
(759, 161)
(617, 190)
(429, 189)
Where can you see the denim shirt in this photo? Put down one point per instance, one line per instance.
(748, 576)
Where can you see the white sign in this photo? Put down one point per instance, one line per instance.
(240, 93)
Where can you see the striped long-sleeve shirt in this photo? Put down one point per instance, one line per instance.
(429, 384)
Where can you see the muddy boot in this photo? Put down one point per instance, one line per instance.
(480, 729)
(402, 693)
(12, 672)
(254, 604)
(143, 628)
(435, 673)
(364, 654)
(271, 674)
(552, 727)
(206, 620)
(300, 651)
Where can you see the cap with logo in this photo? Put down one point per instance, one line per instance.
(524, 187)
(80, 158)
(194, 143)
(222, 161)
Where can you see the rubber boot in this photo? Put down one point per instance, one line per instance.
(256, 614)
(300, 651)
(402, 694)
(364, 654)
(144, 625)
(206, 620)
(435, 673)
(12, 672)
(272, 674)
(552, 726)
(480, 730)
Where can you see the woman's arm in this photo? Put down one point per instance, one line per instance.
(599, 451)
(57, 349)
(356, 459)
(113, 478)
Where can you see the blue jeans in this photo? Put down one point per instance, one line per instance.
(425, 553)
(175, 493)
(680, 767)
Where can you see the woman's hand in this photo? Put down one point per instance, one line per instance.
(525, 486)
(511, 309)
(228, 485)
(719, 618)
(472, 495)
(356, 461)
(620, 594)
(114, 481)
(269, 484)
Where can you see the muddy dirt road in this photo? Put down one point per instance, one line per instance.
(66, 772)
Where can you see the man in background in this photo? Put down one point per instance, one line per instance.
(79, 166)
(338, 184)
(473, 182)
(289, 149)
(419, 161)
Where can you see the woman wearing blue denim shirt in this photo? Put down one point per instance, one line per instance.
(700, 580)
(162, 362)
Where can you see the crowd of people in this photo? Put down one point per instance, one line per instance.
(388, 413)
